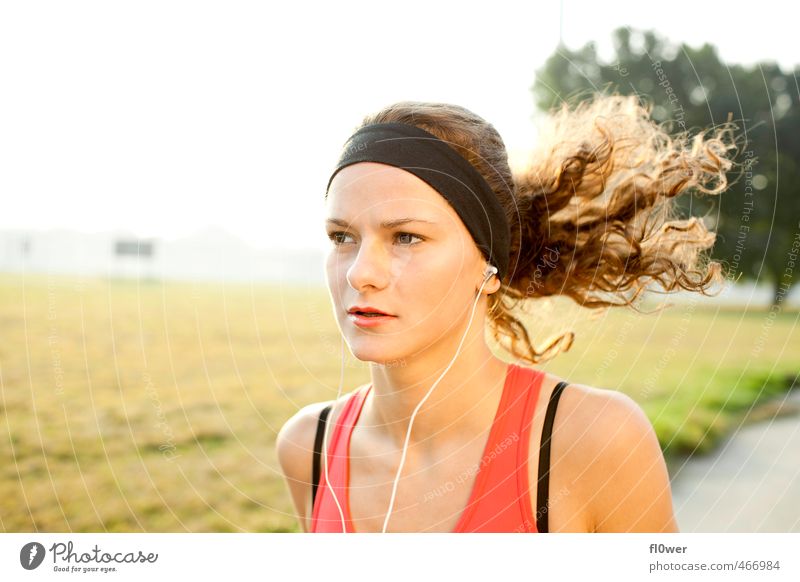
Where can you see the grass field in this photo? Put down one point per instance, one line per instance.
(154, 406)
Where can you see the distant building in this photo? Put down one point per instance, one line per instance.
(134, 258)
(212, 255)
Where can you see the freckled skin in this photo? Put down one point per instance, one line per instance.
(429, 284)
(428, 276)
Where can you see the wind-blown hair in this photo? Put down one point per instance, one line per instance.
(593, 215)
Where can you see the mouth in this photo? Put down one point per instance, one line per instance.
(367, 312)
(368, 317)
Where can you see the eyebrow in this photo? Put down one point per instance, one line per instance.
(384, 224)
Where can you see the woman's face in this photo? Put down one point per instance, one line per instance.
(423, 272)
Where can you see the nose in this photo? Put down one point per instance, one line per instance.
(370, 268)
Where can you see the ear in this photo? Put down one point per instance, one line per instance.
(492, 286)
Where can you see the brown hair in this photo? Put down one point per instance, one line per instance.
(593, 217)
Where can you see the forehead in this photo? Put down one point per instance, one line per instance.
(370, 185)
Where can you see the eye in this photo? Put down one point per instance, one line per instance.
(403, 234)
(335, 237)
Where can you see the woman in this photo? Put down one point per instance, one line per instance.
(430, 232)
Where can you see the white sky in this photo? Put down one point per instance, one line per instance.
(162, 118)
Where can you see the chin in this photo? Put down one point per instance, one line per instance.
(382, 351)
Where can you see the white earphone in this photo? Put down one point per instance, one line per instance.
(488, 272)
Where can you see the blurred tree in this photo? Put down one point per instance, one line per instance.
(758, 219)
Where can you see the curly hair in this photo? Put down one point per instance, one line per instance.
(593, 215)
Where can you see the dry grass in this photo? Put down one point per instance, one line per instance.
(154, 407)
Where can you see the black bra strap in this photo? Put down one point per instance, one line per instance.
(323, 416)
(543, 484)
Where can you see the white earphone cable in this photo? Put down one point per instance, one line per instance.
(430, 391)
(491, 270)
(325, 443)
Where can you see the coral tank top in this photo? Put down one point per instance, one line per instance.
(500, 500)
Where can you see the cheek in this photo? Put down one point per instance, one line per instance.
(335, 275)
(445, 272)
(330, 266)
(404, 264)
(437, 291)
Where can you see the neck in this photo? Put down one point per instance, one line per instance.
(464, 402)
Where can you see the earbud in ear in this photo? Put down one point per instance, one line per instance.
(487, 273)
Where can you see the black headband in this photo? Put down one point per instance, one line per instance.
(431, 159)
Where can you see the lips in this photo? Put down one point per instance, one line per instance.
(367, 311)
(368, 317)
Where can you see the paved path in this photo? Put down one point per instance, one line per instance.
(751, 483)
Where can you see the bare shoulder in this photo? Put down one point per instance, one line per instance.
(295, 441)
(602, 412)
(612, 439)
(294, 446)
